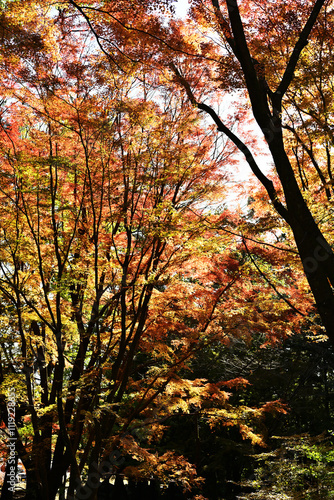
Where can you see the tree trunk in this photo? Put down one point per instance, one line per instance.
(315, 253)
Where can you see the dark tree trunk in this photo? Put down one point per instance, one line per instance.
(33, 487)
(315, 253)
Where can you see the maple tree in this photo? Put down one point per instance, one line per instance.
(272, 54)
(268, 69)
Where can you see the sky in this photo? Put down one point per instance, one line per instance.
(181, 7)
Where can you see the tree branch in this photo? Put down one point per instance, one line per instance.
(267, 183)
(257, 94)
(270, 283)
(130, 28)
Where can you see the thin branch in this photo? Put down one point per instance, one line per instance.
(97, 38)
(132, 28)
(287, 301)
(267, 183)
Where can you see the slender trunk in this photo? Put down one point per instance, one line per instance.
(55, 476)
(33, 486)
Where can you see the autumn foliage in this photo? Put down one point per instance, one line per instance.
(123, 253)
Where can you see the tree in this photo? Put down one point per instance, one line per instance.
(267, 107)
(259, 49)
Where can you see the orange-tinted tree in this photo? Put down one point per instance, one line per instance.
(279, 56)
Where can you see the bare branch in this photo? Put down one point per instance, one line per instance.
(267, 183)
